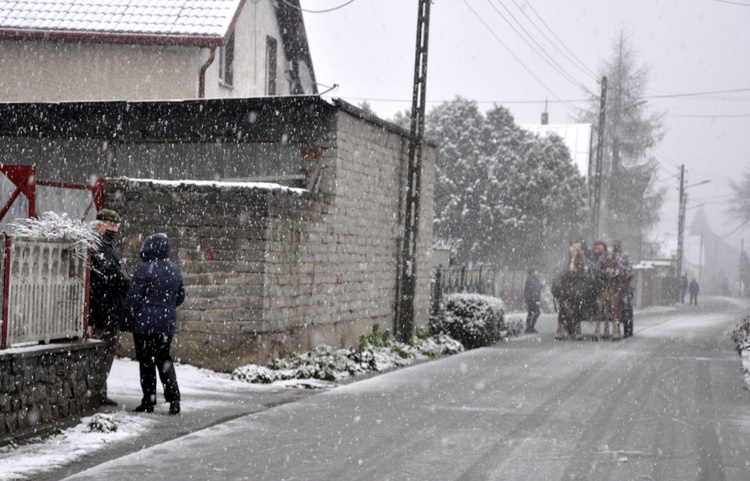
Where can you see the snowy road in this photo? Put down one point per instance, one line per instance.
(667, 404)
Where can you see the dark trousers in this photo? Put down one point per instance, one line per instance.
(693, 298)
(104, 364)
(532, 314)
(152, 352)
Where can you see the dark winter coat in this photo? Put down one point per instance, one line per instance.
(532, 289)
(109, 284)
(156, 291)
(694, 287)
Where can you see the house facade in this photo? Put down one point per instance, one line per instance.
(141, 50)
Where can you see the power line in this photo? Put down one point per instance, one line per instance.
(710, 116)
(733, 3)
(529, 40)
(580, 64)
(317, 11)
(697, 94)
(565, 101)
(516, 56)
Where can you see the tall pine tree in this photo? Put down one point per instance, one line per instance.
(630, 199)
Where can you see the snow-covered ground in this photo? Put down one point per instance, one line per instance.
(202, 390)
(102, 429)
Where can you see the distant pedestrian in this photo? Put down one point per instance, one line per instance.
(694, 290)
(532, 292)
(683, 287)
(625, 261)
(109, 286)
(151, 314)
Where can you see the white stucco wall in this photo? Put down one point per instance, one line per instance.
(257, 20)
(42, 71)
(52, 71)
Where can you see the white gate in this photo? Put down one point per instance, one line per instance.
(45, 290)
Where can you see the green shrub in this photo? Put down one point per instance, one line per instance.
(474, 320)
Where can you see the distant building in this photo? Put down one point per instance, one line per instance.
(86, 50)
(577, 137)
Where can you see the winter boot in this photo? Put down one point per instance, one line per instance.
(144, 408)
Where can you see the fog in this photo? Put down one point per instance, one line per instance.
(528, 56)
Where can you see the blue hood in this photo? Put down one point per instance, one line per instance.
(155, 248)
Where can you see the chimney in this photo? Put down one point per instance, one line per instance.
(545, 118)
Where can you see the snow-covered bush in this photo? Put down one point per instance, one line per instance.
(741, 335)
(50, 225)
(102, 423)
(475, 320)
(376, 352)
(514, 323)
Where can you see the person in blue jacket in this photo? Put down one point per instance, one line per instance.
(150, 313)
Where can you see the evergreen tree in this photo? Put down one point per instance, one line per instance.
(503, 196)
(630, 199)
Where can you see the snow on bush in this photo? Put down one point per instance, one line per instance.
(102, 423)
(741, 335)
(50, 225)
(376, 352)
(475, 320)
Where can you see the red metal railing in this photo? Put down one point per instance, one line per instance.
(25, 179)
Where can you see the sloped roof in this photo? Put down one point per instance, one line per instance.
(178, 22)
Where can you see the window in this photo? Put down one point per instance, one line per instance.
(226, 62)
(271, 53)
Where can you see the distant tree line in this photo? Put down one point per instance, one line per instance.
(504, 196)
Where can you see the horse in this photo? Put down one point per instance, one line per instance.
(571, 289)
(612, 288)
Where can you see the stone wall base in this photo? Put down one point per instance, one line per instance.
(47, 386)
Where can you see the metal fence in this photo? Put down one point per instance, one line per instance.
(448, 280)
(45, 291)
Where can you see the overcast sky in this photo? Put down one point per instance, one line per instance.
(521, 53)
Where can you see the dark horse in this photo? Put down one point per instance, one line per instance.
(572, 289)
(612, 289)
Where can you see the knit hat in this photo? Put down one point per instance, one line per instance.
(107, 215)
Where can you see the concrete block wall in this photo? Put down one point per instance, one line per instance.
(273, 272)
(219, 234)
(371, 175)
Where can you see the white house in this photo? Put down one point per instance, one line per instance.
(86, 50)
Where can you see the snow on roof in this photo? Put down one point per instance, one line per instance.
(577, 137)
(192, 18)
(652, 264)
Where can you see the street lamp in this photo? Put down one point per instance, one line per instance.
(681, 218)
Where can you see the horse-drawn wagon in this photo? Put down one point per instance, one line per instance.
(600, 289)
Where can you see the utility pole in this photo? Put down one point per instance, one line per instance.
(408, 271)
(599, 152)
(681, 223)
